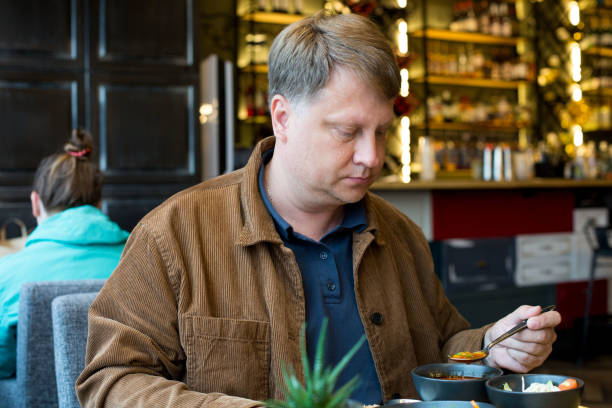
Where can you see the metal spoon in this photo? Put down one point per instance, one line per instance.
(470, 357)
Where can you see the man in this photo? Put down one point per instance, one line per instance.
(215, 284)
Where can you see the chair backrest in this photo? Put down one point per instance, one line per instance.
(601, 234)
(35, 366)
(69, 313)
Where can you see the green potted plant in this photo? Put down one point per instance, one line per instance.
(318, 390)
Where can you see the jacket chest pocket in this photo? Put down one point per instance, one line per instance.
(227, 355)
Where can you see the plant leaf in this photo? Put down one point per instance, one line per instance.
(305, 363)
(320, 353)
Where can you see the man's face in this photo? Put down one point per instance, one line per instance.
(336, 141)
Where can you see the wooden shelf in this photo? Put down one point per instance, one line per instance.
(472, 82)
(257, 120)
(256, 68)
(595, 11)
(463, 126)
(393, 183)
(599, 131)
(476, 38)
(598, 91)
(599, 51)
(272, 18)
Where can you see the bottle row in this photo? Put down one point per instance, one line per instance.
(477, 62)
(256, 102)
(503, 162)
(485, 161)
(600, 117)
(496, 111)
(488, 17)
(281, 6)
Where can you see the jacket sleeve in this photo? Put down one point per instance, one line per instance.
(134, 356)
(455, 331)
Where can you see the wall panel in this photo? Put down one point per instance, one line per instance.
(147, 130)
(37, 113)
(163, 36)
(48, 33)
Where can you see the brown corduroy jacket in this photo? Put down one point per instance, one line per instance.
(207, 302)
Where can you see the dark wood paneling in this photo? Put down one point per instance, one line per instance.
(21, 210)
(37, 113)
(143, 33)
(127, 212)
(147, 129)
(46, 32)
(124, 70)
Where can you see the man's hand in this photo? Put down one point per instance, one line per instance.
(528, 348)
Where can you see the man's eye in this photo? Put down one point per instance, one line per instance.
(347, 133)
(382, 134)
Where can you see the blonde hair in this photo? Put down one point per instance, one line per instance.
(69, 179)
(305, 53)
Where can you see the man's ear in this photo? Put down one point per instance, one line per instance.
(35, 200)
(280, 111)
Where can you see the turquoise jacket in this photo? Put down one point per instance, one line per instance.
(78, 243)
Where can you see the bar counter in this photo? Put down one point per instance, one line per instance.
(393, 183)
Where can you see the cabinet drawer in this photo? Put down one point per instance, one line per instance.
(545, 272)
(544, 245)
(479, 264)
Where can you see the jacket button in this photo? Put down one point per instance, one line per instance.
(396, 396)
(376, 318)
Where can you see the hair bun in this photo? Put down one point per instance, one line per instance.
(80, 143)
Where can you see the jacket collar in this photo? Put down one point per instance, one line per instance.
(258, 225)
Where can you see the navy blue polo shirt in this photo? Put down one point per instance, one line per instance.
(327, 276)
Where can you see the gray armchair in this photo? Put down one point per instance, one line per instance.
(69, 314)
(34, 386)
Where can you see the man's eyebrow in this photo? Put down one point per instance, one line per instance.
(385, 126)
(329, 122)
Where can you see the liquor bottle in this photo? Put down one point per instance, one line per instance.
(471, 22)
(263, 5)
(495, 21)
(447, 106)
(484, 23)
(487, 162)
(280, 6)
(298, 6)
(506, 22)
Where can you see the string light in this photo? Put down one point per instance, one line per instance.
(576, 92)
(574, 13)
(402, 37)
(402, 3)
(404, 86)
(575, 61)
(405, 141)
(578, 136)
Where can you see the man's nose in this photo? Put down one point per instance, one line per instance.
(368, 151)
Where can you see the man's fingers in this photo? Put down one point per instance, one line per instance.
(527, 337)
(525, 312)
(533, 349)
(521, 361)
(545, 320)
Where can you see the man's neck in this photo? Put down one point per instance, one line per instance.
(309, 220)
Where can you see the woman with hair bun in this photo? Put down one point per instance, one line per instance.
(73, 239)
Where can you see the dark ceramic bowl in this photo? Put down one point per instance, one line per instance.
(435, 404)
(513, 399)
(431, 388)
